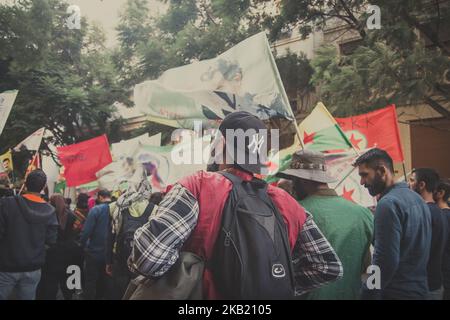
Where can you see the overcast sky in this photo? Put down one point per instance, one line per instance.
(106, 13)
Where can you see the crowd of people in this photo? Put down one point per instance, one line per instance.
(294, 239)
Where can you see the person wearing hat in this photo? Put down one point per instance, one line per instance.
(189, 216)
(347, 225)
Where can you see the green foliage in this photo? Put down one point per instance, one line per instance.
(404, 62)
(67, 82)
(296, 72)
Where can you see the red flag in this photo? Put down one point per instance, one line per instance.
(374, 129)
(82, 160)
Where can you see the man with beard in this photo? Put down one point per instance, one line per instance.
(424, 181)
(402, 231)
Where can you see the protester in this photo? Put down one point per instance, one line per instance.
(156, 198)
(402, 231)
(195, 213)
(424, 181)
(287, 186)
(131, 211)
(92, 202)
(68, 202)
(93, 240)
(60, 256)
(27, 224)
(5, 190)
(347, 226)
(81, 212)
(441, 197)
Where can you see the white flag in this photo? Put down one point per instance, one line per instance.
(339, 166)
(32, 142)
(7, 99)
(128, 147)
(243, 78)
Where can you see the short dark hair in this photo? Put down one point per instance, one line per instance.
(156, 198)
(82, 201)
(444, 186)
(36, 180)
(374, 158)
(104, 193)
(429, 176)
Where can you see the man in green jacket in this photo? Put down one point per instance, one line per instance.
(347, 226)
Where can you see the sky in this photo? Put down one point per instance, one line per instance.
(106, 13)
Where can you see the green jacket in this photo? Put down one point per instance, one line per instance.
(349, 229)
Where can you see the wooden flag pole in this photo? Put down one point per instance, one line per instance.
(298, 132)
(404, 170)
(26, 174)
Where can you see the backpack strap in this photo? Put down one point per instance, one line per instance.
(234, 179)
(237, 181)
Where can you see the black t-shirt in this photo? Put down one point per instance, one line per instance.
(438, 242)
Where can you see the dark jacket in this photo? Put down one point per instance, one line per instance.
(93, 236)
(402, 244)
(25, 227)
(438, 242)
(446, 257)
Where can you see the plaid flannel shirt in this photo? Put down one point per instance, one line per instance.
(157, 244)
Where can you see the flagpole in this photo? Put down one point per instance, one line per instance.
(31, 163)
(346, 176)
(283, 92)
(404, 170)
(335, 122)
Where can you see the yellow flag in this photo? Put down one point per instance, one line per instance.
(6, 162)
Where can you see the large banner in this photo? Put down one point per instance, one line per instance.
(82, 160)
(7, 99)
(378, 128)
(243, 78)
(32, 142)
(162, 165)
(347, 185)
(129, 147)
(320, 131)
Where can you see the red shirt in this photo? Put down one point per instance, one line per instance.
(211, 191)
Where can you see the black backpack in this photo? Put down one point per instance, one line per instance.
(252, 255)
(124, 240)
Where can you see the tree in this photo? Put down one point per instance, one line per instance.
(296, 72)
(66, 80)
(405, 62)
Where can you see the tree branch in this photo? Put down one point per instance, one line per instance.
(437, 107)
(432, 36)
(355, 22)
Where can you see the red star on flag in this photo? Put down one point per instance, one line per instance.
(307, 138)
(355, 142)
(272, 166)
(347, 194)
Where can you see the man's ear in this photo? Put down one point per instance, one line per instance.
(382, 170)
(439, 194)
(421, 185)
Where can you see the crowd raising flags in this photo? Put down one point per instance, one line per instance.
(239, 79)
